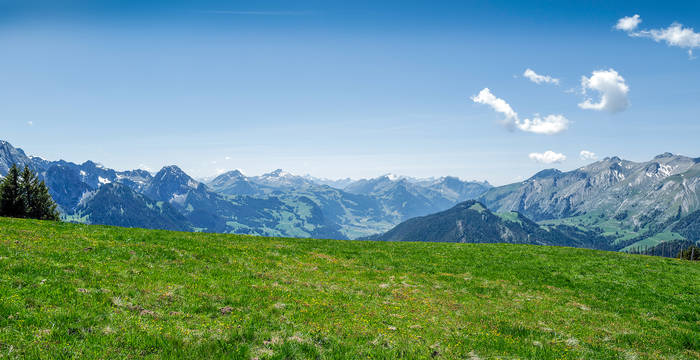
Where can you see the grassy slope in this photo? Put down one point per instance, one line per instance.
(71, 290)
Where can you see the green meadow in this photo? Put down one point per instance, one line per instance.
(79, 291)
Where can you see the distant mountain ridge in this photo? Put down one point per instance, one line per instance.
(609, 204)
(552, 194)
(358, 209)
(630, 201)
(275, 204)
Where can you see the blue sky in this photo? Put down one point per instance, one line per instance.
(342, 90)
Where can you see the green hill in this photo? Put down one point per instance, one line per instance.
(472, 222)
(80, 291)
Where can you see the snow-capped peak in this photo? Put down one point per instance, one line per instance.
(279, 173)
(393, 177)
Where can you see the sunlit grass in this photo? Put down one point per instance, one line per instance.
(77, 291)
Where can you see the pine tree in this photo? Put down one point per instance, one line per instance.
(11, 200)
(26, 190)
(25, 196)
(43, 208)
(691, 253)
(38, 202)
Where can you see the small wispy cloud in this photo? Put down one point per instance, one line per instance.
(548, 125)
(30, 123)
(674, 35)
(547, 157)
(587, 155)
(540, 79)
(257, 12)
(497, 104)
(628, 23)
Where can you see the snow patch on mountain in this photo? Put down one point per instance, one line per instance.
(178, 199)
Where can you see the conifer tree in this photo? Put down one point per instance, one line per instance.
(11, 200)
(38, 202)
(26, 190)
(25, 196)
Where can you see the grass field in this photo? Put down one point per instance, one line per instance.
(78, 291)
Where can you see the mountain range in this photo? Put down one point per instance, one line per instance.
(631, 203)
(611, 204)
(273, 204)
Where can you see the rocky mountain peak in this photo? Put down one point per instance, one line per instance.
(664, 155)
(278, 173)
(545, 174)
(169, 181)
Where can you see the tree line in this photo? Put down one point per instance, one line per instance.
(23, 195)
(680, 249)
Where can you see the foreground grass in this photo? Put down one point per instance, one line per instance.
(77, 291)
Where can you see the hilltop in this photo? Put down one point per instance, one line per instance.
(472, 222)
(87, 291)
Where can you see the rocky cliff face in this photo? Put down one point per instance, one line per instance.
(631, 191)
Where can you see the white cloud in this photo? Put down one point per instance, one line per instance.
(539, 79)
(587, 155)
(227, 158)
(674, 35)
(497, 104)
(549, 125)
(547, 157)
(628, 23)
(612, 88)
(30, 123)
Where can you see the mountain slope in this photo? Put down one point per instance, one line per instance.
(661, 186)
(689, 226)
(170, 184)
(356, 215)
(471, 222)
(621, 198)
(10, 155)
(367, 207)
(269, 216)
(117, 204)
(281, 181)
(406, 198)
(209, 211)
(233, 183)
(173, 200)
(454, 189)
